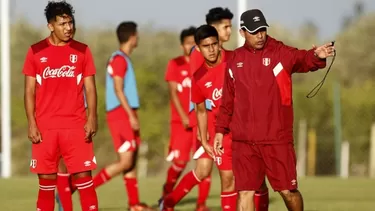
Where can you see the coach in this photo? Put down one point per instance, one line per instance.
(257, 104)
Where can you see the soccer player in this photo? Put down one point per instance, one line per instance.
(221, 20)
(181, 136)
(64, 185)
(257, 103)
(57, 71)
(122, 103)
(207, 84)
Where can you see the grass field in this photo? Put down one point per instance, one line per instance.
(320, 194)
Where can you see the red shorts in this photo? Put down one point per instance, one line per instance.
(181, 143)
(252, 162)
(124, 138)
(70, 144)
(223, 162)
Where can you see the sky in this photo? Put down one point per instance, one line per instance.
(178, 14)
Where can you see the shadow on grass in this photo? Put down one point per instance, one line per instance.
(189, 209)
(193, 200)
(189, 201)
(112, 208)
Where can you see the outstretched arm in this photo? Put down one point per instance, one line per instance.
(308, 60)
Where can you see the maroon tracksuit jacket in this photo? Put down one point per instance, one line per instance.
(257, 102)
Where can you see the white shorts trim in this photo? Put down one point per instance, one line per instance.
(198, 153)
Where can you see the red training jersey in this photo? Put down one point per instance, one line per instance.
(178, 71)
(207, 83)
(59, 73)
(117, 67)
(257, 104)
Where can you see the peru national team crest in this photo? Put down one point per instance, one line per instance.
(73, 58)
(266, 61)
(184, 73)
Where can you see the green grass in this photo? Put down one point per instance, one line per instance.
(320, 194)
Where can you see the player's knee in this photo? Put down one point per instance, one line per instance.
(82, 174)
(245, 197)
(201, 173)
(132, 173)
(126, 162)
(227, 181)
(203, 170)
(47, 176)
(125, 165)
(288, 194)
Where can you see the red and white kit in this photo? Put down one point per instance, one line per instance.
(181, 139)
(59, 105)
(208, 83)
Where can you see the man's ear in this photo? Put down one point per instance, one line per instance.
(50, 27)
(242, 32)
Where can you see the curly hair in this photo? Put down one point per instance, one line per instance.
(58, 8)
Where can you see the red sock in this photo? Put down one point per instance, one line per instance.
(184, 187)
(46, 195)
(63, 189)
(87, 194)
(174, 172)
(229, 201)
(101, 178)
(132, 189)
(204, 191)
(261, 200)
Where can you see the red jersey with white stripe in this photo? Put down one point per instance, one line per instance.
(207, 83)
(59, 73)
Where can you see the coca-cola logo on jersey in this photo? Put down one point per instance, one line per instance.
(65, 71)
(217, 93)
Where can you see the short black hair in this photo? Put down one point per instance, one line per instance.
(58, 8)
(125, 30)
(204, 32)
(217, 14)
(186, 33)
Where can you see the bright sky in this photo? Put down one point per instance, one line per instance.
(176, 14)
